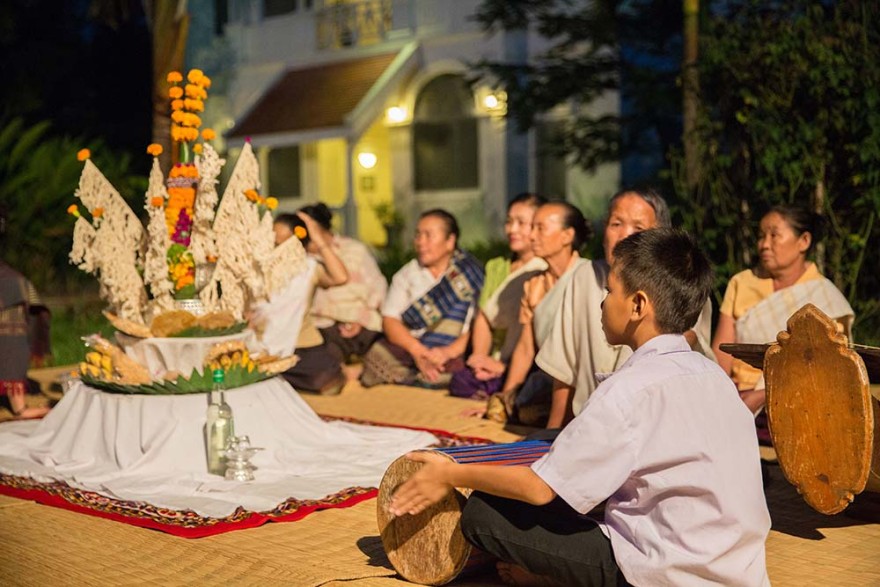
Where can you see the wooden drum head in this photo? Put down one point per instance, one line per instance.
(428, 548)
(819, 407)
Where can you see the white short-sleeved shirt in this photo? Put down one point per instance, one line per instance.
(410, 283)
(667, 440)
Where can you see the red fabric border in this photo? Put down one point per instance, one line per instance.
(252, 521)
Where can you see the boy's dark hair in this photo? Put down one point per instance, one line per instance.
(291, 221)
(667, 265)
(653, 199)
(320, 213)
(447, 218)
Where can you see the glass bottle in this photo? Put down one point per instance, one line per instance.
(219, 426)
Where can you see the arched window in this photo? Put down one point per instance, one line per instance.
(445, 136)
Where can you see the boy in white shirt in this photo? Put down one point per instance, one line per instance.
(665, 440)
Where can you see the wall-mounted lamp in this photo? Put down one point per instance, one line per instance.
(367, 159)
(495, 103)
(396, 114)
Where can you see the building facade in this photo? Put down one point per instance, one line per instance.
(371, 106)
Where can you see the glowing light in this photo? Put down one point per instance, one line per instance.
(491, 101)
(396, 114)
(367, 159)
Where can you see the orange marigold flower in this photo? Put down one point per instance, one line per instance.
(157, 201)
(73, 210)
(192, 90)
(178, 116)
(83, 154)
(197, 149)
(154, 149)
(205, 82)
(97, 212)
(211, 258)
(251, 195)
(195, 105)
(300, 232)
(271, 203)
(195, 75)
(177, 104)
(208, 134)
(174, 77)
(190, 134)
(175, 92)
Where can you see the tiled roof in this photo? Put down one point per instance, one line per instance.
(313, 98)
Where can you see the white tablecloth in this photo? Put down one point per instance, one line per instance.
(152, 448)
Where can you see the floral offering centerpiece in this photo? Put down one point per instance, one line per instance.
(196, 247)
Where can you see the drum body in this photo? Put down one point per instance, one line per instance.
(429, 548)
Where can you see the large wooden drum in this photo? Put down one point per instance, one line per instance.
(429, 548)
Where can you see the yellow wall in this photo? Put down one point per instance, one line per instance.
(332, 174)
(375, 140)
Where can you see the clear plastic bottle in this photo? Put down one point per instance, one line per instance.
(219, 426)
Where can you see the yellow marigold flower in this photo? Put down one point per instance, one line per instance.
(83, 154)
(73, 210)
(208, 134)
(175, 92)
(300, 232)
(174, 77)
(97, 212)
(154, 149)
(177, 104)
(157, 201)
(195, 75)
(197, 149)
(271, 203)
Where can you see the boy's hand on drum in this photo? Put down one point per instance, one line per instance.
(425, 488)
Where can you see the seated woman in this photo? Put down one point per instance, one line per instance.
(558, 233)
(286, 320)
(496, 327)
(348, 315)
(20, 311)
(427, 312)
(758, 303)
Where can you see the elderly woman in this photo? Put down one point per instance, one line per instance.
(428, 310)
(496, 327)
(20, 308)
(758, 303)
(348, 315)
(559, 231)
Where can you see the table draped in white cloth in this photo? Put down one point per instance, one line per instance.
(152, 448)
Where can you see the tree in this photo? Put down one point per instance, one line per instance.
(790, 113)
(598, 46)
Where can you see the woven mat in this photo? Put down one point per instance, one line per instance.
(340, 548)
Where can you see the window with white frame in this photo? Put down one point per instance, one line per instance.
(445, 144)
(284, 172)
